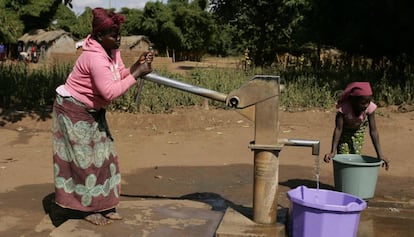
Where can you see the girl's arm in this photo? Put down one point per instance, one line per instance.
(373, 132)
(339, 123)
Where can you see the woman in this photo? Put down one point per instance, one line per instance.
(356, 112)
(86, 170)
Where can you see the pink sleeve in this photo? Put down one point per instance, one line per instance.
(371, 108)
(125, 72)
(103, 79)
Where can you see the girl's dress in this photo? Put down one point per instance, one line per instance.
(353, 134)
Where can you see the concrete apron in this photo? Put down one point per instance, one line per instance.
(172, 218)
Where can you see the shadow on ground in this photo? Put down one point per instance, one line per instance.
(14, 115)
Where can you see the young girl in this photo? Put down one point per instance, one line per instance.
(355, 112)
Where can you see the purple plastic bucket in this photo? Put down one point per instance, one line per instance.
(324, 213)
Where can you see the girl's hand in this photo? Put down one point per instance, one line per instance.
(386, 163)
(328, 157)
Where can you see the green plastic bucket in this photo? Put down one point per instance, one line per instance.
(356, 174)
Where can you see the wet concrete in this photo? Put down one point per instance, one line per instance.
(151, 218)
(234, 224)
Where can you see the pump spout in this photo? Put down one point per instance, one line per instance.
(314, 144)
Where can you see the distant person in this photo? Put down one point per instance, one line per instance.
(355, 112)
(2, 51)
(33, 54)
(43, 52)
(23, 56)
(19, 51)
(86, 170)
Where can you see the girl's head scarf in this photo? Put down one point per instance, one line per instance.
(355, 89)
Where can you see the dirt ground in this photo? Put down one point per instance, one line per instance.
(190, 151)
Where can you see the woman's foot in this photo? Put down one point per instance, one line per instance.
(113, 216)
(98, 219)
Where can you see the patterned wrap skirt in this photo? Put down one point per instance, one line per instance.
(352, 139)
(86, 169)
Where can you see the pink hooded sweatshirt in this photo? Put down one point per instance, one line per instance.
(96, 79)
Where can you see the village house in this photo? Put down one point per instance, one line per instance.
(40, 44)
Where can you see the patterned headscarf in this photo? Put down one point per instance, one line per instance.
(104, 20)
(355, 89)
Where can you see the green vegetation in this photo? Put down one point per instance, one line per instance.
(35, 89)
(31, 89)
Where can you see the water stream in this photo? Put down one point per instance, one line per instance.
(317, 174)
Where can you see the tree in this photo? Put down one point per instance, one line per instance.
(11, 27)
(64, 19)
(222, 40)
(157, 22)
(133, 24)
(84, 24)
(68, 3)
(37, 14)
(18, 17)
(377, 29)
(196, 25)
(265, 27)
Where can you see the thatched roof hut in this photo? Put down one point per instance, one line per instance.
(128, 43)
(133, 46)
(135, 43)
(40, 36)
(55, 41)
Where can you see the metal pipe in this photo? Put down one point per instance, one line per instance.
(265, 186)
(266, 161)
(214, 95)
(315, 144)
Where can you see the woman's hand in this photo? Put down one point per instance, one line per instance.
(146, 57)
(143, 65)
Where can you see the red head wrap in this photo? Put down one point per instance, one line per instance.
(104, 20)
(356, 89)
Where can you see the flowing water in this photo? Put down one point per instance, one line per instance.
(317, 174)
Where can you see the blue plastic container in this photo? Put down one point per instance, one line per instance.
(324, 213)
